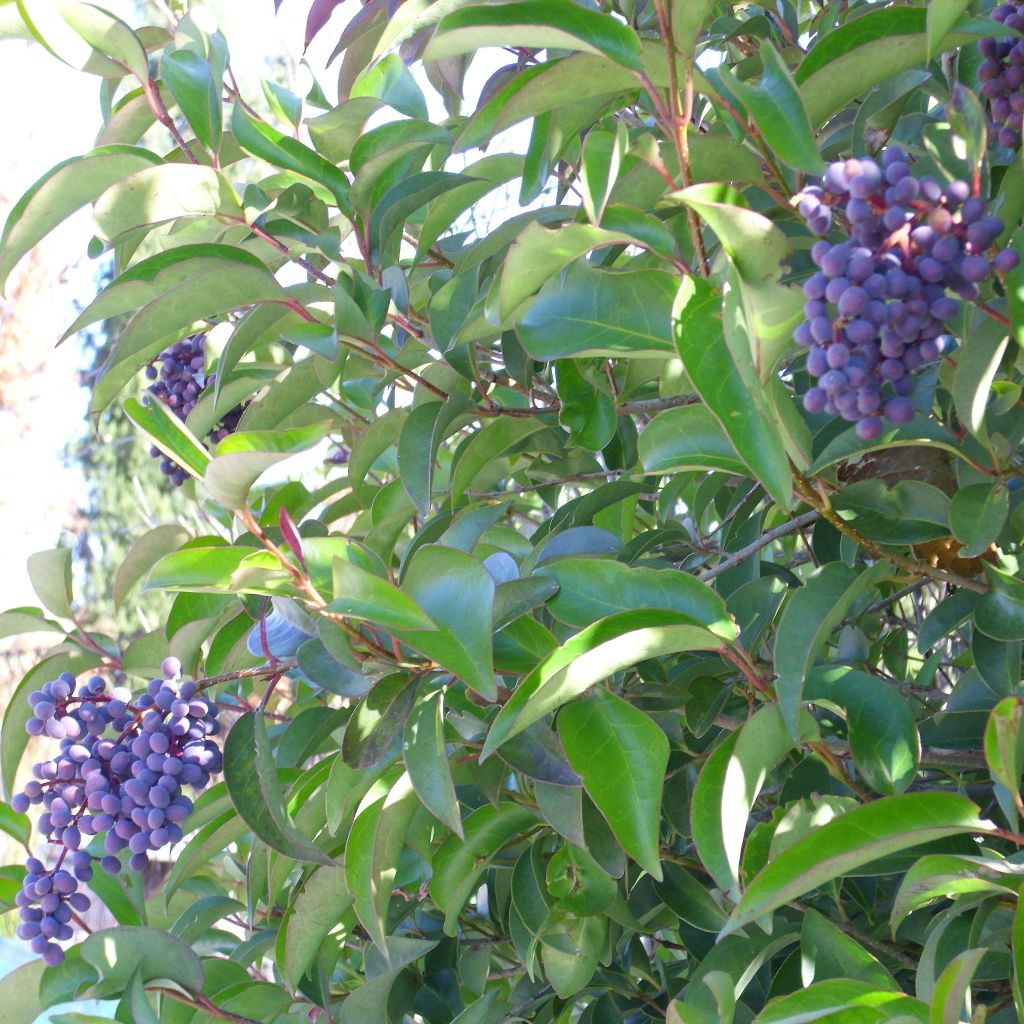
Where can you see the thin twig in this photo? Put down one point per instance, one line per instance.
(763, 541)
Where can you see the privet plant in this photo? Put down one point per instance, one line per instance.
(646, 646)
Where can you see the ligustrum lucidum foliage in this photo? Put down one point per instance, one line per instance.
(649, 647)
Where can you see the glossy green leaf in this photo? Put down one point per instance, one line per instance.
(591, 588)
(251, 777)
(1004, 745)
(426, 760)
(883, 736)
(169, 434)
(378, 720)
(977, 514)
(240, 459)
(858, 837)
(593, 654)
(190, 80)
(534, 24)
(117, 953)
(319, 906)
(699, 340)
(726, 789)
(808, 619)
(65, 188)
(50, 575)
(621, 755)
(688, 438)
(779, 113)
(595, 312)
(371, 855)
(459, 863)
(266, 142)
(361, 595)
(19, 990)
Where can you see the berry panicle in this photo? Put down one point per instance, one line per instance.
(179, 383)
(880, 304)
(116, 783)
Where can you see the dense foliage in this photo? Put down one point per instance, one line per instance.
(650, 646)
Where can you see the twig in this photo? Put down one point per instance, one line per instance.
(650, 405)
(199, 1001)
(763, 541)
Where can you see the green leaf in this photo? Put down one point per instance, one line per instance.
(371, 855)
(977, 514)
(457, 593)
(726, 789)
(117, 953)
(999, 612)
(459, 863)
(426, 427)
(778, 111)
(400, 202)
(391, 82)
(251, 777)
(595, 653)
(86, 37)
(144, 554)
(590, 588)
(60, 192)
(377, 721)
(953, 987)
(150, 277)
(588, 412)
(159, 194)
(1004, 746)
(808, 619)
(700, 341)
(538, 253)
(551, 24)
(602, 158)
(426, 760)
(843, 1001)
(19, 992)
(50, 575)
(320, 904)
(858, 837)
(852, 58)
(976, 367)
(493, 441)
(944, 876)
(169, 434)
(370, 1001)
(192, 85)
(595, 312)
(883, 737)
(688, 438)
(361, 595)
(16, 825)
(621, 755)
(266, 142)
(26, 620)
(240, 459)
(828, 953)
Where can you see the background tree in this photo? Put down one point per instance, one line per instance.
(653, 651)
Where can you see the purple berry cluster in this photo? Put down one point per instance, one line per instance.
(878, 307)
(119, 773)
(179, 383)
(1002, 75)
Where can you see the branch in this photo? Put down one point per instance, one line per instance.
(199, 1001)
(876, 550)
(651, 405)
(762, 542)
